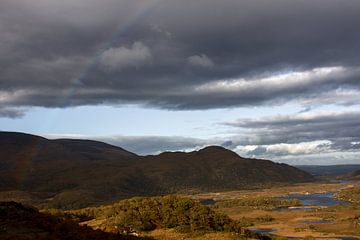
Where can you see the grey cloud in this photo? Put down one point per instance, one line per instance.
(145, 145)
(118, 58)
(227, 144)
(296, 149)
(200, 61)
(341, 129)
(52, 53)
(322, 159)
(303, 138)
(11, 113)
(257, 151)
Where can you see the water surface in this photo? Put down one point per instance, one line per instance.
(316, 199)
(263, 230)
(316, 221)
(208, 202)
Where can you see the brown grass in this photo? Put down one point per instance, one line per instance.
(173, 235)
(290, 223)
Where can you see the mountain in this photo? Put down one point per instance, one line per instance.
(28, 161)
(216, 169)
(69, 173)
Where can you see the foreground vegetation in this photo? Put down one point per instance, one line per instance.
(232, 215)
(264, 203)
(144, 214)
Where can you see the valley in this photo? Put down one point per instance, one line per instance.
(329, 211)
(335, 218)
(278, 212)
(211, 193)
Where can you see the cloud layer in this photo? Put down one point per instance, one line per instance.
(117, 59)
(178, 54)
(304, 135)
(304, 138)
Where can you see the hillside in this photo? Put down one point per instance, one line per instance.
(77, 173)
(353, 176)
(19, 222)
(216, 168)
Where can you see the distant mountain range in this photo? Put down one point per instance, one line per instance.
(330, 171)
(68, 173)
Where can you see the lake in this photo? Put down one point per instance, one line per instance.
(316, 199)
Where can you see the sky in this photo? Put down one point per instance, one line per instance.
(272, 79)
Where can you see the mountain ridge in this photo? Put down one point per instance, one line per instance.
(69, 173)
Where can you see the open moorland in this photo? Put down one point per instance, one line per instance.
(319, 215)
(306, 211)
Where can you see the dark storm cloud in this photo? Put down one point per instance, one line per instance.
(178, 54)
(11, 113)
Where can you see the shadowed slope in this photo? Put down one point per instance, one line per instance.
(21, 222)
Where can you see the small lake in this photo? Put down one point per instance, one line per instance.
(208, 202)
(263, 230)
(344, 182)
(316, 199)
(349, 238)
(316, 221)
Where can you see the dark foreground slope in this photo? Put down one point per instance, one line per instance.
(77, 173)
(18, 222)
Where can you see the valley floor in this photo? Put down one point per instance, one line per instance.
(270, 211)
(302, 211)
(329, 222)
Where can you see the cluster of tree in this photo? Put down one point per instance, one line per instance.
(265, 218)
(259, 203)
(148, 213)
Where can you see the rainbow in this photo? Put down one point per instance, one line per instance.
(144, 7)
